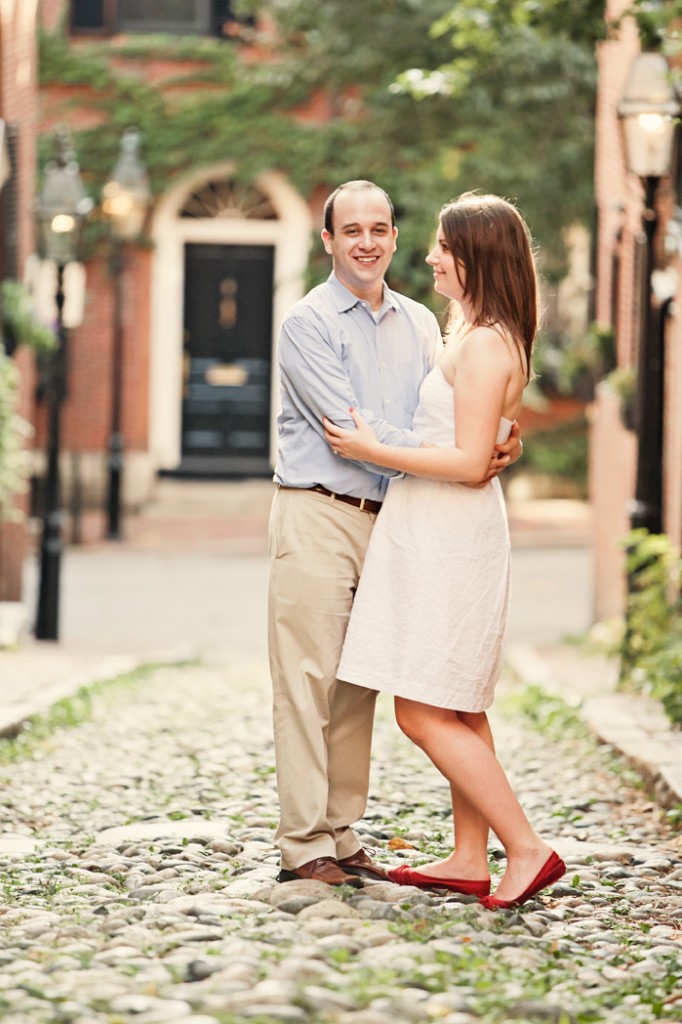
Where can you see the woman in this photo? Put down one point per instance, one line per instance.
(429, 616)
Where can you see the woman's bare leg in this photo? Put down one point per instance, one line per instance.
(465, 756)
(471, 828)
(469, 858)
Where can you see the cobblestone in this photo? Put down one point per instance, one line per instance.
(137, 881)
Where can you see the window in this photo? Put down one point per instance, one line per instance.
(228, 198)
(182, 17)
(88, 15)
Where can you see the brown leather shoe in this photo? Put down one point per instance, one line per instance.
(361, 864)
(322, 869)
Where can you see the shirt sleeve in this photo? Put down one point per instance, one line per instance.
(320, 385)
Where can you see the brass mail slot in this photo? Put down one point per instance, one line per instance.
(227, 375)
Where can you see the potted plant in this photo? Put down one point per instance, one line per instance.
(622, 381)
(18, 323)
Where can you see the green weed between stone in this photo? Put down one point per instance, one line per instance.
(553, 718)
(495, 983)
(549, 714)
(73, 711)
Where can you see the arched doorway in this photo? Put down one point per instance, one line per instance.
(229, 260)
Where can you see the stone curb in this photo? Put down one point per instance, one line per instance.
(634, 725)
(65, 681)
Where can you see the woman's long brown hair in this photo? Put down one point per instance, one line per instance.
(490, 238)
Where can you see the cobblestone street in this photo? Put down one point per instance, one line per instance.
(138, 877)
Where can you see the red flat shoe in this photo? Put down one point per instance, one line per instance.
(408, 876)
(551, 871)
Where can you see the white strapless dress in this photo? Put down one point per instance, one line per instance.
(430, 613)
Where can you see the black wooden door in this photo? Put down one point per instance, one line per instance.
(227, 359)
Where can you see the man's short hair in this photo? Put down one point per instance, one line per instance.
(352, 186)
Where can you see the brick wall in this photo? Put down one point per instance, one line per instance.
(672, 463)
(18, 106)
(617, 301)
(617, 192)
(87, 410)
(52, 12)
(619, 197)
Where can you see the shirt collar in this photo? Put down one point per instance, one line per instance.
(345, 299)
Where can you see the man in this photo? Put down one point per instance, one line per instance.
(350, 343)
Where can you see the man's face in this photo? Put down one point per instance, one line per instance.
(363, 242)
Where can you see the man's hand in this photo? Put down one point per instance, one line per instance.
(503, 455)
(513, 446)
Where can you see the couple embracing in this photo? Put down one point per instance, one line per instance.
(389, 546)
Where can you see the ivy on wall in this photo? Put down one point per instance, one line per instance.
(423, 149)
(179, 129)
(521, 122)
(18, 326)
(216, 109)
(201, 116)
(658, 23)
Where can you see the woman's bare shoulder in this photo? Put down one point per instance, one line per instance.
(487, 342)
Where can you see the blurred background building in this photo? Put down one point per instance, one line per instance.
(18, 128)
(208, 134)
(637, 413)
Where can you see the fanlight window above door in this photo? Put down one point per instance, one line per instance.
(229, 199)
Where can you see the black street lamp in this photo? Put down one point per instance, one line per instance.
(648, 109)
(5, 158)
(125, 201)
(60, 211)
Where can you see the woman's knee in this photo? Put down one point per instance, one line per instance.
(408, 719)
(414, 719)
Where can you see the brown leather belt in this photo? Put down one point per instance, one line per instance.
(364, 504)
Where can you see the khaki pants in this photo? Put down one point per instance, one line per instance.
(322, 726)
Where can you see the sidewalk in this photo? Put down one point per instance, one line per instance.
(634, 725)
(198, 555)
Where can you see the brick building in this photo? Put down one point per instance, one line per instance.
(201, 302)
(18, 110)
(228, 255)
(619, 305)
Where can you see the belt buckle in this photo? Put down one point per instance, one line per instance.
(361, 506)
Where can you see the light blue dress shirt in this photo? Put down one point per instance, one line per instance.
(334, 354)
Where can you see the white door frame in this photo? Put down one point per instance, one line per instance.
(290, 235)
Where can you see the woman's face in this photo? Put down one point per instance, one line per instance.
(449, 277)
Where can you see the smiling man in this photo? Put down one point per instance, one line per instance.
(360, 236)
(350, 343)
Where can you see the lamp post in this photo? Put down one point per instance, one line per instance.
(5, 158)
(60, 211)
(648, 109)
(125, 201)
